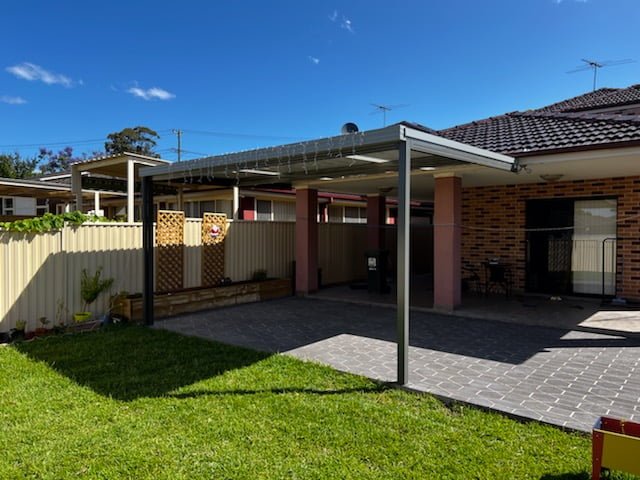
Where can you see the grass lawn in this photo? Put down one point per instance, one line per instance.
(132, 402)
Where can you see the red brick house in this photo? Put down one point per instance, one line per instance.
(573, 210)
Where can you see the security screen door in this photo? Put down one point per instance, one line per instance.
(570, 242)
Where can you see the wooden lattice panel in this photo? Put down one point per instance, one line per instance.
(214, 231)
(169, 250)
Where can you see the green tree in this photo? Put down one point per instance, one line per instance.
(51, 162)
(14, 166)
(140, 140)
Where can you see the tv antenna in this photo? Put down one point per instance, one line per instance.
(595, 65)
(379, 108)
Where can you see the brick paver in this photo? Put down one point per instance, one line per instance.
(566, 378)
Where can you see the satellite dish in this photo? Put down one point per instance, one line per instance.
(349, 127)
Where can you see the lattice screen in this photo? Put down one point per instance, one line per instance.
(169, 250)
(214, 230)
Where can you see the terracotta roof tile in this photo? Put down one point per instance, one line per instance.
(569, 124)
(523, 133)
(601, 98)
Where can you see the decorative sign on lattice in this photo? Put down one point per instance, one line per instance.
(214, 230)
(169, 250)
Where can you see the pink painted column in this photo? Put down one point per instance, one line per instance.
(447, 242)
(376, 219)
(306, 241)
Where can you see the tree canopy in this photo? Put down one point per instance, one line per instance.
(51, 162)
(140, 140)
(12, 165)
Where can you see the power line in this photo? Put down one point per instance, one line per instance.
(96, 141)
(241, 135)
(55, 144)
(90, 141)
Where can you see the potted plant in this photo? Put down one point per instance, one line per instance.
(91, 286)
(42, 330)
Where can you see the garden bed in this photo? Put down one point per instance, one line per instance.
(190, 300)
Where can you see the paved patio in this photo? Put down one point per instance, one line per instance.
(570, 313)
(563, 377)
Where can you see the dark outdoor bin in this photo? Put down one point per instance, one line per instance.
(377, 271)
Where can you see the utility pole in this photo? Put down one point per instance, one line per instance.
(178, 133)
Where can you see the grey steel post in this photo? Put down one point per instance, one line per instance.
(147, 247)
(402, 280)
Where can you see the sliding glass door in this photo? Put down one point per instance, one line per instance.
(594, 246)
(571, 246)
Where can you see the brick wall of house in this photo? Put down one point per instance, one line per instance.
(493, 220)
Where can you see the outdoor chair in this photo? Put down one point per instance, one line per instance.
(497, 278)
(471, 281)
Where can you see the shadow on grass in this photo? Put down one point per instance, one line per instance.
(567, 476)
(126, 363)
(277, 391)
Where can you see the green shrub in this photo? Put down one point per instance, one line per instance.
(91, 286)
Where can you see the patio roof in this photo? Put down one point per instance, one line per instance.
(395, 150)
(351, 156)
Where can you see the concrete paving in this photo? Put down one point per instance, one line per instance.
(571, 313)
(563, 377)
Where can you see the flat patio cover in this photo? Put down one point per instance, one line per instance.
(397, 149)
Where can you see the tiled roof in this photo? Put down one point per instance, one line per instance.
(601, 98)
(523, 133)
(570, 124)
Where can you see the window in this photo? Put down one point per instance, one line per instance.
(355, 215)
(42, 206)
(6, 206)
(264, 210)
(208, 206)
(191, 209)
(284, 211)
(225, 206)
(335, 214)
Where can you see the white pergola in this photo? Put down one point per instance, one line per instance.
(395, 151)
(123, 166)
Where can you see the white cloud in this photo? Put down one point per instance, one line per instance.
(154, 93)
(33, 72)
(347, 25)
(12, 100)
(314, 60)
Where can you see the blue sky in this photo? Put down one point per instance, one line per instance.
(272, 72)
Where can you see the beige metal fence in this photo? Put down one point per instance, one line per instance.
(40, 273)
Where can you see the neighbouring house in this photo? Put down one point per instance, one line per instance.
(24, 198)
(111, 188)
(89, 186)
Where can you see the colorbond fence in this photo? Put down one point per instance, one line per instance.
(40, 272)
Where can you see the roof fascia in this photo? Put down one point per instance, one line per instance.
(433, 144)
(584, 154)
